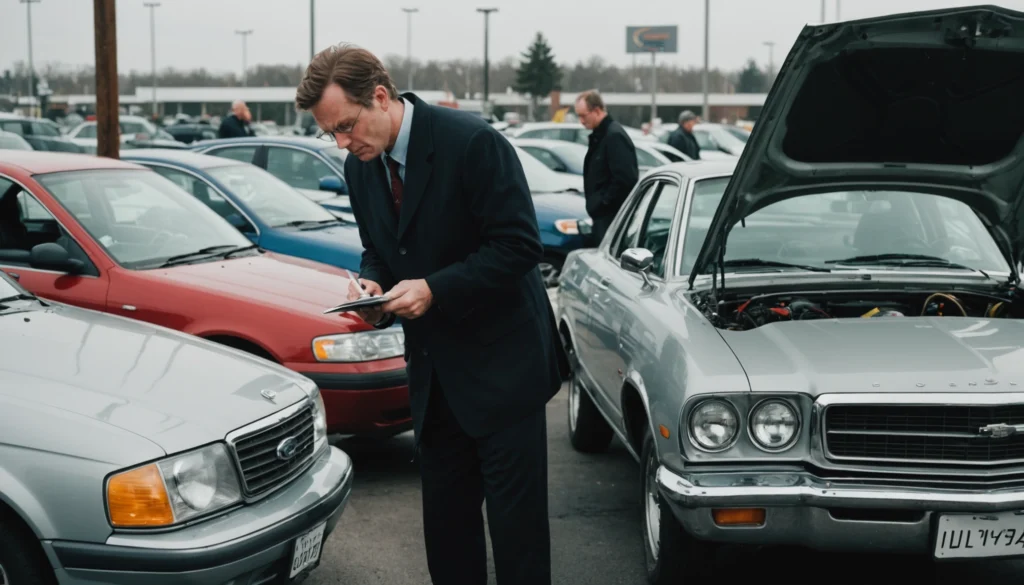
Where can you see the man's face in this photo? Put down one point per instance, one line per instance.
(588, 117)
(364, 131)
(689, 124)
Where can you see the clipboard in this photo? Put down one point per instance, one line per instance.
(363, 303)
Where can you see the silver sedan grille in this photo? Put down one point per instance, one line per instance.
(257, 449)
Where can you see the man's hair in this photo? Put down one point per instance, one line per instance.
(592, 98)
(357, 71)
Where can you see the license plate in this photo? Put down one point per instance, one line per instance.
(307, 549)
(980, 535)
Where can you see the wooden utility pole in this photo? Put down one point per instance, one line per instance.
(108, 133)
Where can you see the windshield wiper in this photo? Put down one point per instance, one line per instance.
(303, 222)
(190, 255)
(19, 297)
(231, 253)
(773, 263)
(918, 260)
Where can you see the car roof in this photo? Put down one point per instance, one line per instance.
(303, 141)
(38, 162)
(699, 169)
(544, 142)
(182, 157)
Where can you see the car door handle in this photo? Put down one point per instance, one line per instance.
(14, 275)
(602, 283)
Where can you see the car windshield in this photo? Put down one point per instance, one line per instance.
(336, 154)
(890, 230)
(270, 198)
(140, 218)
(740, 133)
(540, 178)
(572, 154)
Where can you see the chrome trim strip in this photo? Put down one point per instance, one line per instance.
(267, 422)
(703, 490)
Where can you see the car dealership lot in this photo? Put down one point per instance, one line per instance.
(595, 528)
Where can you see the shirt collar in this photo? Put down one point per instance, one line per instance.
(400, 150)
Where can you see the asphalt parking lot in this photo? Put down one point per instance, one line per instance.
(595, 525)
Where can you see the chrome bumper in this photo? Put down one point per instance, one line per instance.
(802, 510)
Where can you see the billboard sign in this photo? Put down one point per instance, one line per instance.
(645, 39)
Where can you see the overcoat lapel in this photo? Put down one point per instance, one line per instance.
(418, 161)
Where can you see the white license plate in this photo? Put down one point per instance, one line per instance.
(980, 535)
(307, 549)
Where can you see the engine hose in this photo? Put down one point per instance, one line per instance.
(948, 297)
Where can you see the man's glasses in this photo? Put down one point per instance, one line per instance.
(329, 136)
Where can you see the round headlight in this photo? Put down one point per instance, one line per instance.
(713, 425)
(773, 425)
(195, 478)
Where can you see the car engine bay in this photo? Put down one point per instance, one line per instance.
(742, 313)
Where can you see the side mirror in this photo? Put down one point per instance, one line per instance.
(333, 184)
(52, 256)
(638, 261)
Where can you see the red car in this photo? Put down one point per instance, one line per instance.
(116, 237)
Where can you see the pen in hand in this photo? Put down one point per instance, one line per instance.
(359, 287)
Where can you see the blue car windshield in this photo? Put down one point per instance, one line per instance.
(271, 199)
(822, 228)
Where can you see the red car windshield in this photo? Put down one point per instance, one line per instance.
(140, 218)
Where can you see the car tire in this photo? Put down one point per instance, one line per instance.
(22, 561)
(589, 432)
(675, 558)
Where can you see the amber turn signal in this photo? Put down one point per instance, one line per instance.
(138, 498)
(664, 431)
(739, 517)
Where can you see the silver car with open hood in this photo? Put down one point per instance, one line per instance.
(821, 344)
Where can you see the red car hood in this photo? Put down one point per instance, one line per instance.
(278, 281)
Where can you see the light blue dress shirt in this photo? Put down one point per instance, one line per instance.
(400, 150)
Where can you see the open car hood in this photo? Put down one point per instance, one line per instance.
(926, 101)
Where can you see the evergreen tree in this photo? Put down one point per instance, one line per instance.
(538, 74)
(752, 79)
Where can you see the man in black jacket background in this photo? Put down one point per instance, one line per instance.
(610, 168)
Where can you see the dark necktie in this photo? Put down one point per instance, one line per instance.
(396, 184)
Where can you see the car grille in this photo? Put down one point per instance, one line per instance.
(256, 452)
(926, 434)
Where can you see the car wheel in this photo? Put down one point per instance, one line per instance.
(22, 562)
(673, 556)
(589, 432)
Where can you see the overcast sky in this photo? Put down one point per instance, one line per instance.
(201, 33)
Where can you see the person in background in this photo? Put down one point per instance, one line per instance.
(236, 123)
(610, 168)
(682, 138)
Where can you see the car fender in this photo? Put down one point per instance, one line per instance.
(19, 498)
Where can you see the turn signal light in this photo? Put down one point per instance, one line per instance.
(739, 517)
(139, 498)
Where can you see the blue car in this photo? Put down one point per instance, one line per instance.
(272, 214)
(315, 167)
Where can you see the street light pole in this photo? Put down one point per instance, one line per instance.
(312, 27)
(706, 112)
(822, 11)
(487, 64)
(837, 9)
(245, 68)
(408, 41)
(152, 47)
(771, 56)
(31, 69)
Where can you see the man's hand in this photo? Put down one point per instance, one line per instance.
(371, 315)
(410, 299)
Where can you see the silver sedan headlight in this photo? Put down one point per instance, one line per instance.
(319, 422)
(714, 425)
(774, 425)
(174, 490)
(362, 346)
